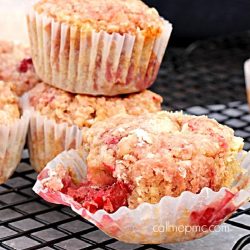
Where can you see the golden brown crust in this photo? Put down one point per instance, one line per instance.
(83, 110)
(9, 109)
(111, 16)
(162, 154)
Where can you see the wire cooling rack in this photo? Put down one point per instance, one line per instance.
(206, 78)
(27, 222)
(207, 72)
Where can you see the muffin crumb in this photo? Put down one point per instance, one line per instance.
(9, 104)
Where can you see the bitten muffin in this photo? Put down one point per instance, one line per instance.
(150, 158)
(97, 47)
(13, 130)
(131, 160)
(60, 118)
(16, 67)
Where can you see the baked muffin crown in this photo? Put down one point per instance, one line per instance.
(111, 16)
(84, 110)
(162, 154)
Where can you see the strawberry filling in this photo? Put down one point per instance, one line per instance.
(93, 198)
(112, 141)
(25, 65)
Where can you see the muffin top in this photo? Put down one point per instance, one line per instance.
(9, 109)
(111, 16)
(162, 154)
(16, 66)
(83, 110)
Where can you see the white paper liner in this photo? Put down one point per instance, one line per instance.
(12, 139)
(46, 138)
(96, 63)
(183, 218)
(247, 78)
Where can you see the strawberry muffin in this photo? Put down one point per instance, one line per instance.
(13, 130)
(97, 47)
(16, 67)
(141, 178)
(131, 160)
(59, 118)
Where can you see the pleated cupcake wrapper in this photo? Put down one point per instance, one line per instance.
(46, 138)
(96, 63)
(12, 139)
(183, 218)
(247, 78)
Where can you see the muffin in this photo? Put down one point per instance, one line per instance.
(157, 178)
(158, 154)
(97, 47)
(60, 118)
(17, 67)
(13, 130)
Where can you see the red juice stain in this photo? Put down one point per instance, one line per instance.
(212, 215)
(109, 168)
(43, 175)
(112, 229)
(112, 140)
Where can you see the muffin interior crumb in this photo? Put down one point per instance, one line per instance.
(162, 154)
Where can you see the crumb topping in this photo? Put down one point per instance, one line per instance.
(83, 110)
(9, 109)
(162, 154)
(111, 16)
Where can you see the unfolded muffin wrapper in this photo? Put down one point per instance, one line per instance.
(247, 78)
(95, 63)
(183, 218)
(46, 138)
(12, 139)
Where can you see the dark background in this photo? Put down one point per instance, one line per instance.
(209, 44)
(200, 19)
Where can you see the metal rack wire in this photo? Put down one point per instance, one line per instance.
(207, 72)
(187, 79)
